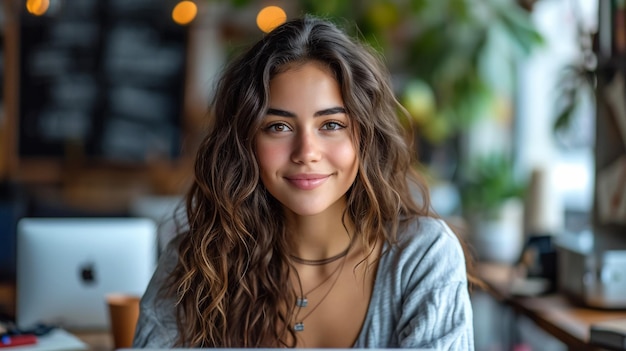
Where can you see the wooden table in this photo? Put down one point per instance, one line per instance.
(554, 313)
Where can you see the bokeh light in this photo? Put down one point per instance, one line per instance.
(270, 17)
(37, 7)
(184, 12)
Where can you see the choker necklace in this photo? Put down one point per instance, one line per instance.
(322, 261)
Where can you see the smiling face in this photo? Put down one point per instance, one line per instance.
(304, 148)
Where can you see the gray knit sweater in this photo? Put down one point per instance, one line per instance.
(420, 297)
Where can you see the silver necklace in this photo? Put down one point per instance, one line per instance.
(303, 302)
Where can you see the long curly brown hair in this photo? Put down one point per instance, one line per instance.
(232, 281)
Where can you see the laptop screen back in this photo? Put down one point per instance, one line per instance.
(66, 266)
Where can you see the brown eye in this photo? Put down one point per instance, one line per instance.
(332, 126)
(278, 128)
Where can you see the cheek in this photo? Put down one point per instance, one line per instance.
(268, 157)
(346, 155)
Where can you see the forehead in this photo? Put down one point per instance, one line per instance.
(305, 86)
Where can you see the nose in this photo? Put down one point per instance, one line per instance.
(306, 148)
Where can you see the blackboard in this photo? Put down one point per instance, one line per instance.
(102, 80)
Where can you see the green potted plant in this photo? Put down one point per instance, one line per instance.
(489, 181)
(492, 204)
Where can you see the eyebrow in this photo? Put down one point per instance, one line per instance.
(324, 112)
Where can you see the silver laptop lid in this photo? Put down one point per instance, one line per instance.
(66, 266)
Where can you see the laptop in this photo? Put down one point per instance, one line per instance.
(66, 267)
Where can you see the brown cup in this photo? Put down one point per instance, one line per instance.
(123, 315)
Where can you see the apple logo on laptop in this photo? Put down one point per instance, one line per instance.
(87, 273)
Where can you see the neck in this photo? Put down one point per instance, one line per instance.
(320, 236)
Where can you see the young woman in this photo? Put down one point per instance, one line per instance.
(303, 230)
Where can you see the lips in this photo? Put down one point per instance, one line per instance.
(307, 181)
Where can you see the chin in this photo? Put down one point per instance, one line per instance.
(308, 208)
(305, 211)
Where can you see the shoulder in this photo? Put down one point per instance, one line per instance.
(426, 249)
(424, 235)
(420, 297)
